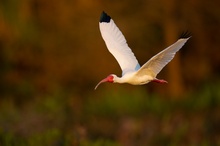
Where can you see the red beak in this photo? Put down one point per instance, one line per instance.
(102, 81)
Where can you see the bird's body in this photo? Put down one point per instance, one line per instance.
(132, 73)
(131, 78)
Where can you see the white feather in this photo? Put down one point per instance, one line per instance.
(118, 47)
(157, 62)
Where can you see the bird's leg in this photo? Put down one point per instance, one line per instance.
(159, 81)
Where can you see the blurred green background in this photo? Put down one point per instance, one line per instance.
(52, 56)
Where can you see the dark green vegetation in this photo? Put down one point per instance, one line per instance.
(113, 119)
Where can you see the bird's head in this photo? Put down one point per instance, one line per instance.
(110, 79)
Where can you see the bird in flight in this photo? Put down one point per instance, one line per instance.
(132, 72)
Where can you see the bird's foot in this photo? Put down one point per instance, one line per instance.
(159, 81)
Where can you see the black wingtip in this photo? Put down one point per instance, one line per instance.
(185, 35)
(105, 17)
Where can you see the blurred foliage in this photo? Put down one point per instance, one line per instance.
(120, 118)
(52, 55)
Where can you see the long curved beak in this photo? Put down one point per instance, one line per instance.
(102, 81)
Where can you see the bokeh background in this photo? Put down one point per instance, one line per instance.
(52, 56)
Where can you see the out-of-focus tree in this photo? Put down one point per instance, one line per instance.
(170, 28)
(48, 44)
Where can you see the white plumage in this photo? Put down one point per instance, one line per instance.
(132, 73)
(118, 47)
(157, 62)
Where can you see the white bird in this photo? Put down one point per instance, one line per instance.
(132, 73)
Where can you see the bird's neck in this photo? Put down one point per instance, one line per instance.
(126, 78)
(118, 79)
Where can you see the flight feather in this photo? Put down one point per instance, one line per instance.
(117, 45)
(157, 62)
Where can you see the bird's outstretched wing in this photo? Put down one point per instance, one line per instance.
(157, 62)
(117, 45)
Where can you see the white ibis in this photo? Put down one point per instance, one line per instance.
(132, 73)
